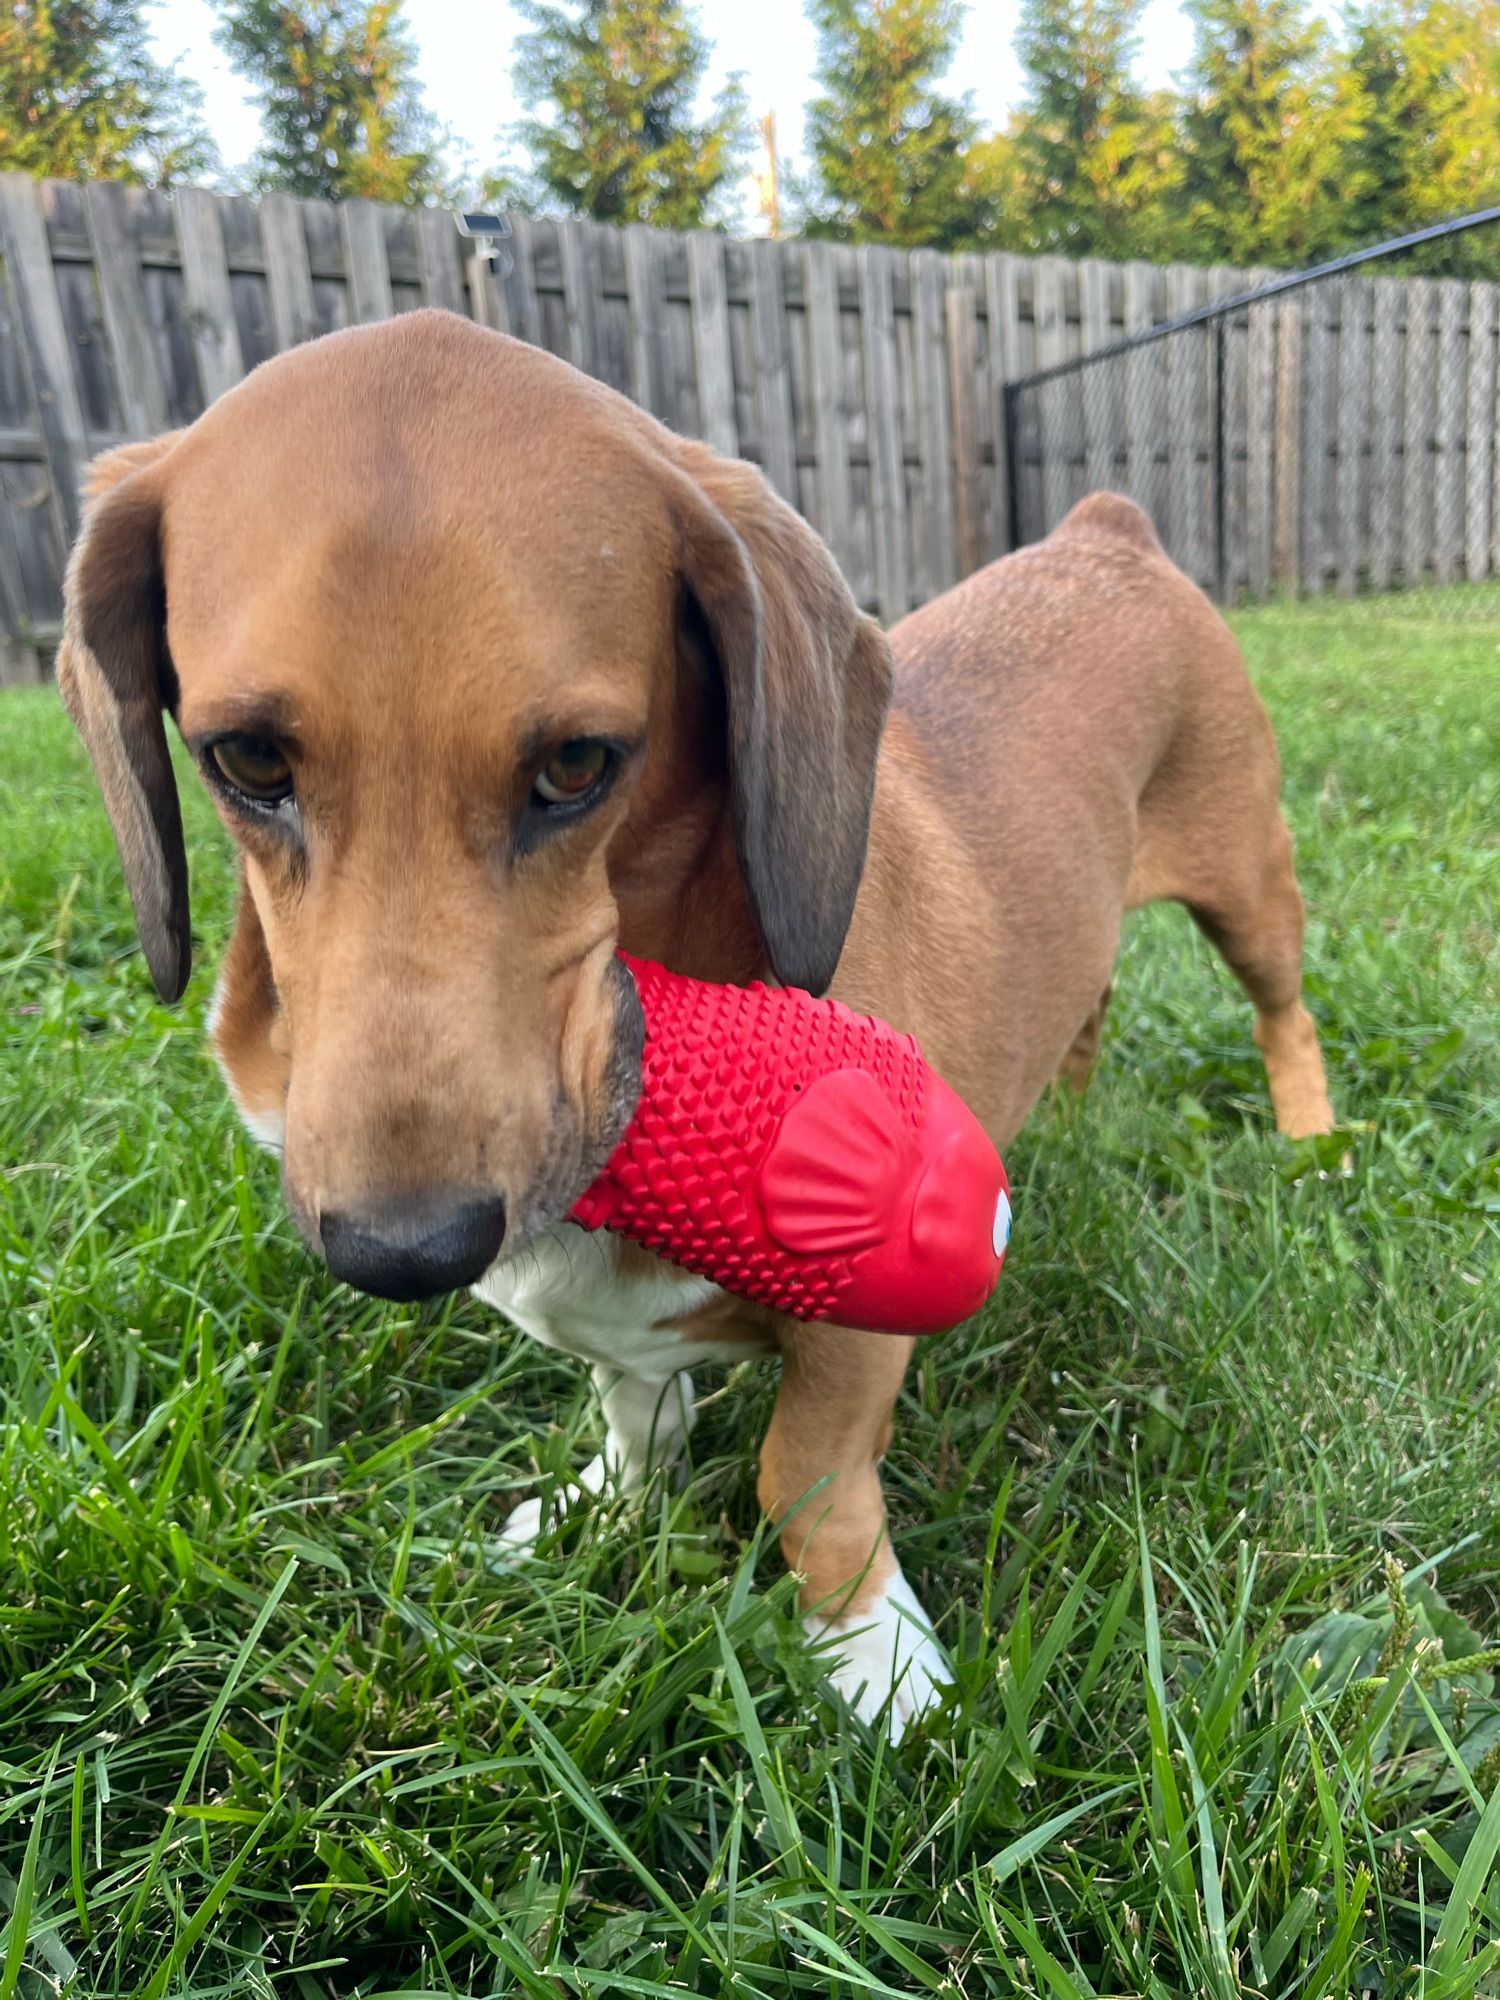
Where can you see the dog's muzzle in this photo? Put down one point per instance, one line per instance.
(417, 1248)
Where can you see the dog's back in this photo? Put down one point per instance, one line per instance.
(1073, 732)
(1068, 661)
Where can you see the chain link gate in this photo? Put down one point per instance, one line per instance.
(1336, 429)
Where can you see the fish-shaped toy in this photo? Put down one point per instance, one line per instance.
(806, 1157)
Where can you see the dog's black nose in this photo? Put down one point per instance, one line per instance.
(415, 1249)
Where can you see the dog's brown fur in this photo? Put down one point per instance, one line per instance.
(420, 553)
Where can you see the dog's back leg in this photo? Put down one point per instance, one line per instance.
(1212, 836)
(1077, 1066)
(1260, 937)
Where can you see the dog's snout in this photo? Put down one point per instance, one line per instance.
(417, 1248)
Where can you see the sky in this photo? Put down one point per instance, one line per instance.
(465, 49)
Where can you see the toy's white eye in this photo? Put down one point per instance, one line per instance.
(1002, 1225)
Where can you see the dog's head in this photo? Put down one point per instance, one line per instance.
(486, 672)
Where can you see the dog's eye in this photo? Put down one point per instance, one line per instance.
(573, 772)
(250, 765)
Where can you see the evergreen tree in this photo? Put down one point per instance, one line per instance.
(82, 97)
(341, 108)
(890, 152)
(1423, 86)
(1264, 136)
(1091, 164)
(623, 142)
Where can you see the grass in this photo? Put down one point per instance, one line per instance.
(1207, 1501)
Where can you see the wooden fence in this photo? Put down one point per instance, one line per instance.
(1339, 437)
(866, 382)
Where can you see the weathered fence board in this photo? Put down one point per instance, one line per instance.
(963, 386)
(1058, 448)
(1345, 437)
(113, 212)
(580, 307)
(1003, 305)
(326, 261)
(1479, 432)
(44, 340)
(1352, 421)
(983, 388)
(205, 282)
(1260, 463)
(520, 288)
(773, 371)
(643, 290)
(1287, 531)
(442, 268)
(887, 447)
(370, 295)
(1321, 330)
(1418, 433)
(829, 427)
(288, 273)
(488, 301)
(940, 570)
(1101, 416)
(1449, 430)
(1145, 396)
(1386, 431)
(1189, 390)
(711, 342)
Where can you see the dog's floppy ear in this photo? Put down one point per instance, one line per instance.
(116, 677)
(807, 681)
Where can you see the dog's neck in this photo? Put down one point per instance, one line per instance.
(681, 898)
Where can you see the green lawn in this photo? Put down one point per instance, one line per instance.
(1207, 1502)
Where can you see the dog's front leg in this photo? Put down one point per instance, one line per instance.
(647, 1423)
(820, 1481)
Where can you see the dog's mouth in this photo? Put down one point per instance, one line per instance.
(581, 1142)
(433, 1242)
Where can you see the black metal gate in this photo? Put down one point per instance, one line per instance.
(1333, 429)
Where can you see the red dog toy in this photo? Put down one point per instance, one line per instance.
(806, 1157)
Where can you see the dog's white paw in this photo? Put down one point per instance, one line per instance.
(886, 1653)
(522, 1531)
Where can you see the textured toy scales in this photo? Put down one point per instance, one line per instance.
(805, 1157)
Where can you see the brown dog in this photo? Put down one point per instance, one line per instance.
(488, 673)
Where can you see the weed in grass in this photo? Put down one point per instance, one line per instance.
(1208, 1495)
